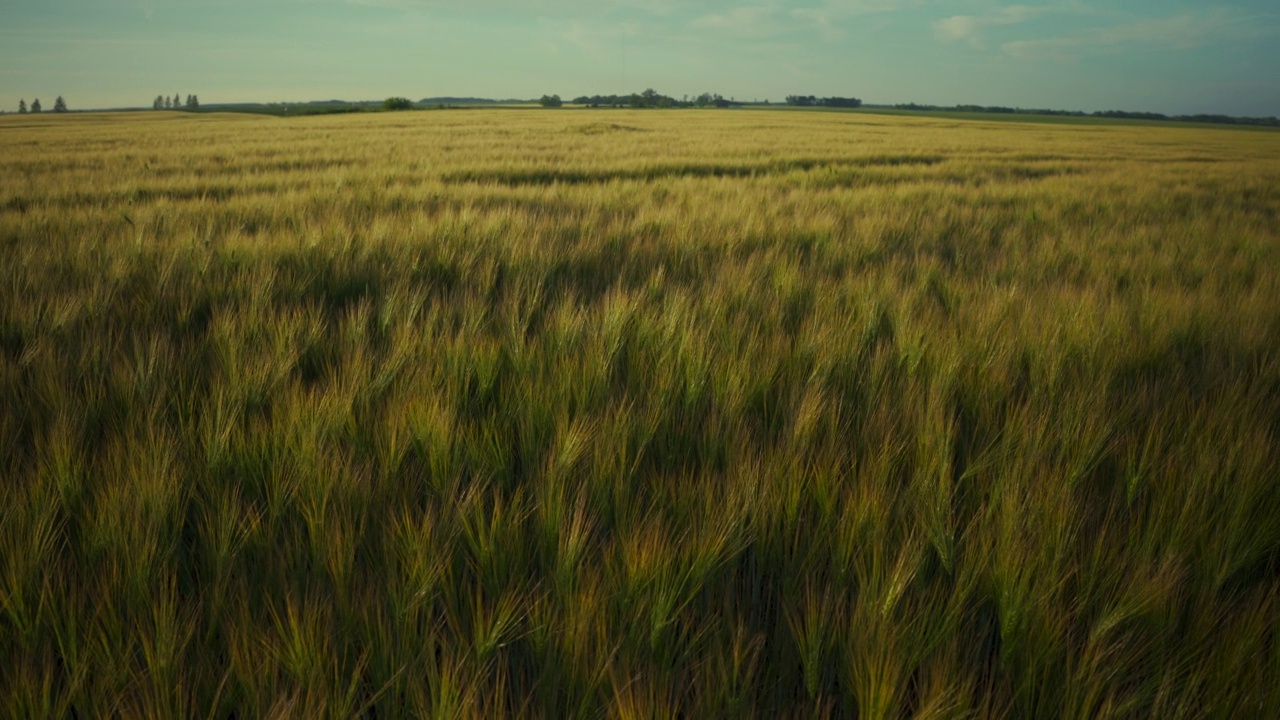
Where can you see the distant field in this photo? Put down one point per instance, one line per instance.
(637, 414)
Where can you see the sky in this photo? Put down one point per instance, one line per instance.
(1171, 56)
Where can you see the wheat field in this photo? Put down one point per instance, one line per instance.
(637, 414)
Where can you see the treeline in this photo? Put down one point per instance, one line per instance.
(1216, 119)
(652, 99)
(997, 109)
(812, 101)
(1120, 114)
(449, 100)
(317, 107)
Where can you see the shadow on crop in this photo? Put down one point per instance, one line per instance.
(553, 176)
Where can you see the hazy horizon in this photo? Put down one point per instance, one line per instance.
(1173, 57)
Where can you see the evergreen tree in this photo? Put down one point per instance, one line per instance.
(22, 107)
(35, 105)
(193, 102)
(168, 102)
(159, 103)
(59, 105)
(177, 101)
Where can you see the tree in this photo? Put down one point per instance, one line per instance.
(59, 105)
(168, 102)
(35, 105)
(193, 102)
(397, 103)
(834, 102)
(177, 101)
(22, 107)
(550, 101)
(159, 103)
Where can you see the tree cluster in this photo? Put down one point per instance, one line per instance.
(813, 101)
(397, 103)
(651, 98)
(164, 102)
(59, 106)
(550, 101)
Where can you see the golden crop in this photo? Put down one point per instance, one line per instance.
(637, 414)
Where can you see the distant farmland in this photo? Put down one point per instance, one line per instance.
(637, 414)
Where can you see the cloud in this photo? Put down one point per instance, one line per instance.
(599, 40)
(1181, 31)
(828, 19)
(744, 22)
(529, 8)
(972, 28)
(752, 19)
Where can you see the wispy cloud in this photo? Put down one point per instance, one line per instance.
(829, 19)
(1183, 30)
(599, 40)
(744, 22)
(529, 8)
(972, 29)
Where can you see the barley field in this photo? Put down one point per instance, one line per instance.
(611, 414)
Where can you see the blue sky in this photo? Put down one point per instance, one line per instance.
(1173, 56)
